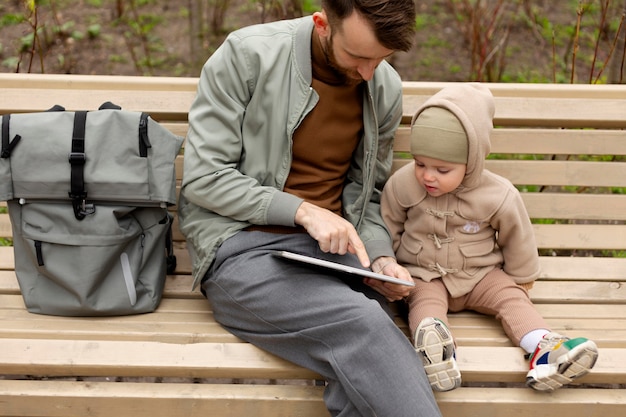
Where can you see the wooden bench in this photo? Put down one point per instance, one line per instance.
(564, 144)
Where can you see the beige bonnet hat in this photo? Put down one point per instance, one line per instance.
(438, 134)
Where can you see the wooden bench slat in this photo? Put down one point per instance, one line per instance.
(495, 337)
(507, 364)
(97, 82)
(468, 332)
(198, 325)
(410, 88)
(558, 173)
(577, 173)
(537, 141)
(582, 268)
(582, 292)
(144, 358)
(78, 399)
(242, 360)
(179, 129)
(581, 236)
(523, 402)
(572, 91)
(530, 141)
(100, 399)
(161, 105)
(558, 141)
(545, 112)
(568, 206)
(189, 321)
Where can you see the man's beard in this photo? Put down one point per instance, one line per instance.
(348, 77)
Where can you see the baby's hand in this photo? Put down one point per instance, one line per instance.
(389, 266)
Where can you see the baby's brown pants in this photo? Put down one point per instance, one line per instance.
(495, 295)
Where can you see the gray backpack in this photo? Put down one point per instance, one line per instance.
(88, 194)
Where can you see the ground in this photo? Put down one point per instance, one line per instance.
(525, 41)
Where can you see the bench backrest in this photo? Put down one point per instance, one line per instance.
(563, 145)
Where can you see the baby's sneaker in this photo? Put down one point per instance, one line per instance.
(558, 360)
(434, 344)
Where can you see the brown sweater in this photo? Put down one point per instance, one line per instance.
(324, 142)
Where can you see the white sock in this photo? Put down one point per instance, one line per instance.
(531, 339)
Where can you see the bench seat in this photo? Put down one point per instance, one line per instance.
(564, 146)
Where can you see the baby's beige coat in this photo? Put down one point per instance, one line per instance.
(462, 235)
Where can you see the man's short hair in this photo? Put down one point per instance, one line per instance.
(393, 21)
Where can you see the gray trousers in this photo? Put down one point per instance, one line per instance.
(331, 324)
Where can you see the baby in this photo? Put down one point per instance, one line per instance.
(464, 234)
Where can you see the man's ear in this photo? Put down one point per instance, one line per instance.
(321, 23)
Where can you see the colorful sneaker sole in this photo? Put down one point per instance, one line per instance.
(574, 364)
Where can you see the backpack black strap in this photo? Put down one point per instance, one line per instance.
(144, 141)
(7, 144)
(170, 258)
(56, 107)
(109, 106)
(77, 159)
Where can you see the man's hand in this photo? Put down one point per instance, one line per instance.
(333, 233)
(388, 266)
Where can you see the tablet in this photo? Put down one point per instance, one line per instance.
(340, 267)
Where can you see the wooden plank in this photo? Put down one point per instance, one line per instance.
(518, 141)
(105, 399)
(581, 236)
(110, 82)
(551, 172)
(578, 173)
(495, 337)
(524, 105)
(539, 105)
(508, 364)
(557, 173)
(161, 105)
(524, 402)
(586, 91)
(109, 399)
(143, 359)
(582, 292)
(191, 321)
(474, 330)
(243, 360)
(163, 327)
(543, 141)
(575, 206)
(179, 128)
(545, 112)
(96, 82)
(558, 141)
(583, 268)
